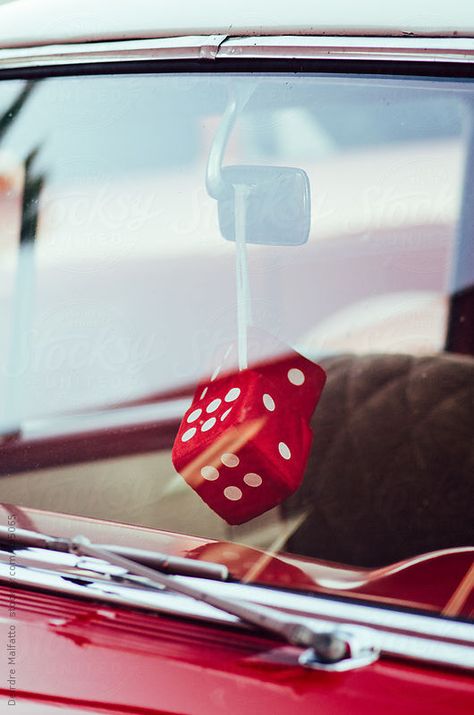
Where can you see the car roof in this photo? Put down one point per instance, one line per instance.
(27, 23)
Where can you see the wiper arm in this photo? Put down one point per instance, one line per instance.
(339, 647)
(331, 648)
(162, 562)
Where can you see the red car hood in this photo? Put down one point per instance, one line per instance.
(86, 657)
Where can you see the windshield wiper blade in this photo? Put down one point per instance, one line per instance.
(162, 562)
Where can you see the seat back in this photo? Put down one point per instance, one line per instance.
(391, 473)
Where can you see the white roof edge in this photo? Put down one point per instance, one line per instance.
(29, 23)
(25, 41)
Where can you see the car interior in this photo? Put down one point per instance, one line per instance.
(391, 471)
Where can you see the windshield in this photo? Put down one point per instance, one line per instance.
(229, 307)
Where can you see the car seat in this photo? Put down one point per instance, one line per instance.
(391, 472)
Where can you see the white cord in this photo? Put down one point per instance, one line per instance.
(241, 193)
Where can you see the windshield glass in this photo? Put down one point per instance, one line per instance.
(229, 307)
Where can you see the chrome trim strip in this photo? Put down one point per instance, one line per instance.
(350, 48)
(403, 635)
(221, 47)
(299, 603)
(374, 616)
(173, 48)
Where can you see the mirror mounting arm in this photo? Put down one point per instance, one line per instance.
(215, 184)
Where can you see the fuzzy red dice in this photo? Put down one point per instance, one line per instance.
(244, 442)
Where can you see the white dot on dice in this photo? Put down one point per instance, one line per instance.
(295, 376)
(225, 414)
(230, 460)
(188, 434)
(212, 406)
(253, 480)
(194, 415)
(233, 493)
(284, 450)
(204, 393)
(269, 402)
(210, 473)
(232, 395)
(208, 424)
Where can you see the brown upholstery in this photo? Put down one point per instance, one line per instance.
(391, 472)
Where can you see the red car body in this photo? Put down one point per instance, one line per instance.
(84, 657)
(76, 655)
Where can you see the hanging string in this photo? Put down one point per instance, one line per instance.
(241, 194)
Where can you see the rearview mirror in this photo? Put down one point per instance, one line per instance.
(278, 204)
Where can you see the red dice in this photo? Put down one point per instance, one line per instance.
(244, 442)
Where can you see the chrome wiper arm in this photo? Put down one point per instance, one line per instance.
(176, 565)
(336, 647)
(330, 647)
(162, 562)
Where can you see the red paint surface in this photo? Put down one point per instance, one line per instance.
(73, 653)
(88, 657)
